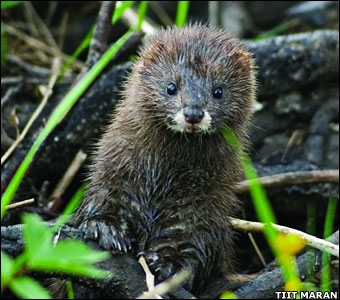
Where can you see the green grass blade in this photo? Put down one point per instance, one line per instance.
(328, 228)
(70, 208)
(182, 13)
(280, 29)
(261, 202)
(61, 110)
(311, 229)
(83, 45)
(69, 289)
(263, 209)
(9, 4)
(143, 7)
(119, 10)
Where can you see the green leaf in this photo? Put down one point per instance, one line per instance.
(76, 251)
(67, 256)
(27, 288)
(38, 238)
(6, 269)
(10, 267)
(71, 257)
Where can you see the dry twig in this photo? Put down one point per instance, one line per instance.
(48, 93)
(101, 33)
(20, 203)
(38, 45)
(69, 174)
(292, 178)
(163, 288)
(309, 239)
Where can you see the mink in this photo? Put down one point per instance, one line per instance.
(163, 176)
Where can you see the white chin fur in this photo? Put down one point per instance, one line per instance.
(179, 124)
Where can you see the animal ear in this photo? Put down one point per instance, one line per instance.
(239, 61)
(150, 55)
(146, 68)
(242, 60)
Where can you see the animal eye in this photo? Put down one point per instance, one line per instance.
(171, 89)
(217, 93)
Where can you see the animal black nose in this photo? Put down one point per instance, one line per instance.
(193, 115)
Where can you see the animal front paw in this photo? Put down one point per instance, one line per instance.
(107, 235)
(164, 267)
(159, 266)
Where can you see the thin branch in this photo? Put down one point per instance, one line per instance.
(69, 174)
(48, 93)
(256, 248)
(164, 287)
(292, 178)
(309, 239)
(19, 79)
(101, 33)
(36, 44)
(63, 29)
(130, 17)
(161, 13)
(32, 69)
(40, 26)
(150, 281)
(19, 204)
(214, 11)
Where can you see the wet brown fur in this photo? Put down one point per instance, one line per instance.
(162, 193)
